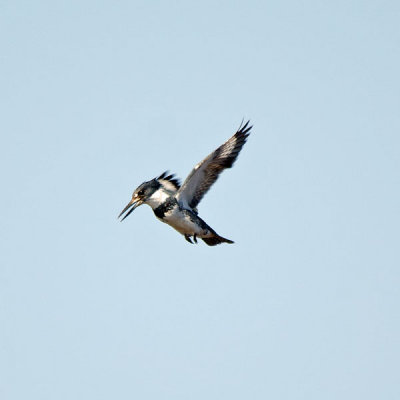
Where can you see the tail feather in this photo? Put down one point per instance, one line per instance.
(216, 239)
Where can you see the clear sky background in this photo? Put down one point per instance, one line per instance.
(99, 96)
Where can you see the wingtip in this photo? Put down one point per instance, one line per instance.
(244, 129)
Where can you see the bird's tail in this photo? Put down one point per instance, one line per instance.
(216, 239)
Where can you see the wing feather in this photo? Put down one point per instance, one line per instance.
(207, 171)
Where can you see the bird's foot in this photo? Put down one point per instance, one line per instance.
(195, 238)
(187, 237)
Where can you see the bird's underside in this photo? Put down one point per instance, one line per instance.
(176, 205)
(188, 223)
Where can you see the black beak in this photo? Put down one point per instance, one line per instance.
(131, 205)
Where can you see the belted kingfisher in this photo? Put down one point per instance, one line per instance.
(176, 205)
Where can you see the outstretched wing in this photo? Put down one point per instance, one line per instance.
(206, 172)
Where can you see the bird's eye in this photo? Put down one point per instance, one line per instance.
(141, 192)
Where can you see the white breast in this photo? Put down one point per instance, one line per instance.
(175, 217)
(181, 222)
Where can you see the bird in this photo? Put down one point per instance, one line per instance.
(176, 204)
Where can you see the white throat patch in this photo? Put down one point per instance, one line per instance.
(157, 198)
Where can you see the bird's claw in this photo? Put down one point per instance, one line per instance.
(187, 237)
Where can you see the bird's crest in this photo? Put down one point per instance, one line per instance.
(166, 176)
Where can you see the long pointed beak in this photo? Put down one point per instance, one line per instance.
(131, 205)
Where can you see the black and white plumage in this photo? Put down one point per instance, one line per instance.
(176, 205)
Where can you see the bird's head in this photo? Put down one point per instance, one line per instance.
(140, 196)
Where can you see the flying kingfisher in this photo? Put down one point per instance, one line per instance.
(176, 205)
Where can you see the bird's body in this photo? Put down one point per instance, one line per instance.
(184, 220)
(176, 205)
(168, 210)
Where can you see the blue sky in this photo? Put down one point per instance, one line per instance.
(97, 97)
